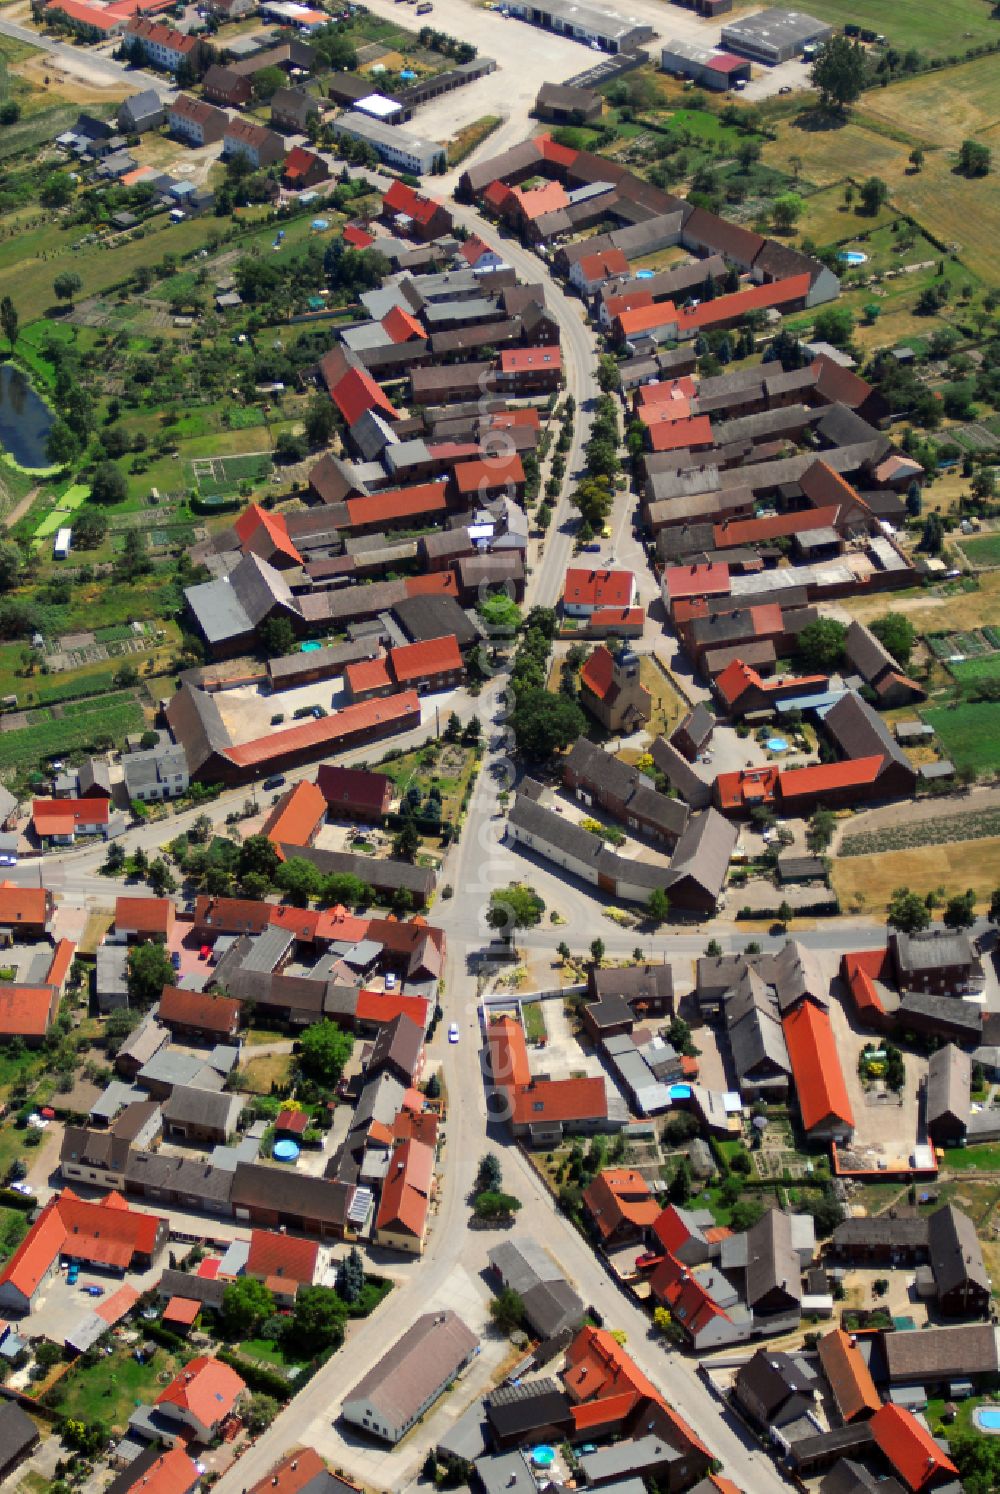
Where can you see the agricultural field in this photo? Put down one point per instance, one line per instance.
(977, 825)
(79, 726)
(823, 156)
(962, 213)
(941, 109)
(864, 884)
(968, 734)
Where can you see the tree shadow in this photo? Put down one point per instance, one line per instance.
(818, 121)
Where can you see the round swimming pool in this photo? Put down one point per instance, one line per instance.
(543, 1456)
(285, 1151)
(852, 257)
(776, 744)
(987, 1418)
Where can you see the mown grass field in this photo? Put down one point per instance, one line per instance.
(942, 109)
(866, 883)
(969, 733)
(935, 27)
(107, 1391)
(983, 549)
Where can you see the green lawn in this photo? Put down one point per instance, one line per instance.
(984, 549)
(71, 500)
(13, 1228)
(534, 1021)
(968, 734)
(108, 1391)
(268, 1352)
(971, 671)
(936, 27)
(973, 1158)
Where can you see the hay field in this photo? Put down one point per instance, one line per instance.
(829, 155)
(942, 109)
(865, 883)
(955, 210)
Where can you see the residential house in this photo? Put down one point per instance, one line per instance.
(199, 1016)
(284, 1263)
(909, 1449)
(587, 591)
(597, 777)
(292, 109)
(355, 793)
(157, 1472)
(58, 822)
(410, 1376)
(142, 112)
(195, 121)
(962, 1286)
(143, 919)
(200, 1398)
(766, 1263)
(297, 817)
(156, 774)
(99, 1157)
(693, 734)
(303, 169)
(24, 912)
(203, 1115)
(774, 1388)
(19, 1437)
(162, 46)
(275, 1198)
(401, 1221)
(940, 962)
(620, 1206)
(414, 213)
(221, 85)
(848, 1376)
(261, 146)
(551, 1306)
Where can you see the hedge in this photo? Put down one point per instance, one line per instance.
(11, 1199)
(258, 1376)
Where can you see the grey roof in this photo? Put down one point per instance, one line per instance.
(604, 774)
(466, 1438)
(268, 949)
(171, 1066)
(506, 1473)
(238, 602)
(425, 617)
(383, 875)
(869, 657)
(771, 1260)
(417, 1366)
(848, 1477)
(757, 1041)
(879, 1231)
(145, 1040)
(703, 852)
(190, 1179)
(18, 1433)
(941, 1354)
(522, 1263)
(635, 982)
(698, 724)
(949, 1074)
(860, 732)
(258, 1184)
(111, 970)
(399, 1043)
(202, 1107)
(204, 1289)
(934, 949)
(679, 773)
(947, 1013)
(955, 1252)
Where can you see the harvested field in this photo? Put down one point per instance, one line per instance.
(942, 108)
(866, 883)
(958, 211)
(828, 155)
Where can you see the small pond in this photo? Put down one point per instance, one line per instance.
(25, 419)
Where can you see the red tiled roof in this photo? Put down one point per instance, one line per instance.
(619, 1195)
(473, 250)
(598, 672)
(284, 1256)
(356, 236)
(629, 300)
(165, 36)
(298, 162)
(207, 1388)
(417, 661)
(747, 786)
(296, 817)
(172, 1473)
(556, 154)
(709, 580)
(677, 408)
(524, 360)
(402, 326)
(403, 199)
(691, 1304)
(751, 298)
(295, 1121)
(645, 318)
(849, 1376)
(674, 435)
(825, 777)
(509, 1066)
(406, 1190)
(144, 915)
(589, 588)
(560, 1100)
(528, 416)
(600, 1369)
(357, 392)
(382, 1007)
(665, 390)
(186, 1008)
(105, 1232)
(182, 1310)
(758, 531)
(88, 15)
(292, 1474)
(861, 969)
(496, 194)
(367, 674)
(348, 721)
(908, 1447)
(625, 617)
(22, 905)
(603, 265)
(397, 503)
(26, 1011)
(819, 1078)
(63, 816)
(535, 202)
(491, 472)
(62, 959)
(254, 518)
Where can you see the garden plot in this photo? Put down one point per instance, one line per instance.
(955, 647)
(217, 475)
(979, 825)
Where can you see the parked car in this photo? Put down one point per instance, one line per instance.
(275, 781)
(453, 1033)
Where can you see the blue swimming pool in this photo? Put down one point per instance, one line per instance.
(543, 1456)
(776, 744)
(644, 274)
(852, 257)
(309, 648)
(680, 1091)
(987, 1418)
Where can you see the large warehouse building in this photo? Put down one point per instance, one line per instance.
(774, 36)
(704, 65)
(587, 23)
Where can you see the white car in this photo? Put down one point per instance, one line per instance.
(453, 1033)
(24, 1188)
(390, 981)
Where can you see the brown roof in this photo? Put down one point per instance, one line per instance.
(849, 1376)
(201, 1009)
(416, 1367)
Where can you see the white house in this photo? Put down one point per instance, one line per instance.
(410, 1377)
